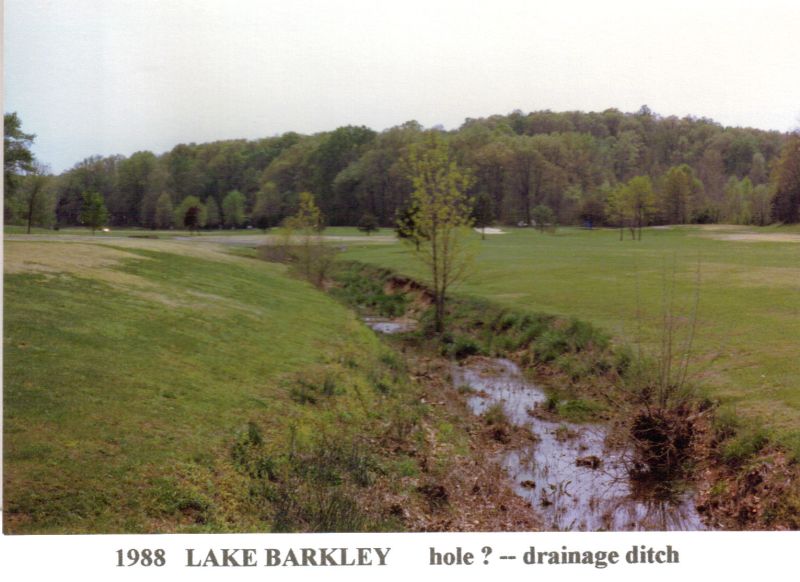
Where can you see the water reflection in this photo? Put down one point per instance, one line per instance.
(390, 326)
(569, 474)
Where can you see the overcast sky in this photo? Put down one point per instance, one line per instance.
(116, 76)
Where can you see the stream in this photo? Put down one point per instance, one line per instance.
(568, 473)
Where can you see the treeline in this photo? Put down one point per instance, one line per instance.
(610, 168)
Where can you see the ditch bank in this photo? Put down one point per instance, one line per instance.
(600, 452)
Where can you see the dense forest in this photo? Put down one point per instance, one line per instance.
(607, 168)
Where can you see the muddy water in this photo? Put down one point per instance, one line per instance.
(568, 474)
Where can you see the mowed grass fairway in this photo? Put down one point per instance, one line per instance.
(747, 343)
(130, 367)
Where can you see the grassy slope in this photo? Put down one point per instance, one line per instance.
(127, 378)
(749, 312)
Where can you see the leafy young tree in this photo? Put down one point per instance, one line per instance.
(233, 209)
(640, 202)
(164, 211)
(543, 216)
(93, 212)
(303, 232)
(442, 216)
(616, 209)
(368, 223)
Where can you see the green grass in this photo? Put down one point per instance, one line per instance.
(748, 327)
(123, 394)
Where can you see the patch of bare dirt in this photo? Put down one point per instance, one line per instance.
(758, 237)
(421, 296)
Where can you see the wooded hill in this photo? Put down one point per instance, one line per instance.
(578, 166)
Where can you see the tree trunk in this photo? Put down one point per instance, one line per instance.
(31, 204)
(439, 314)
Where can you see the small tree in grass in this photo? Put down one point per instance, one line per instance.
(640, 202)
(368, 223)
(303, 236)
(93, 211)
(543, 216)
(617, 210)
(442, 217)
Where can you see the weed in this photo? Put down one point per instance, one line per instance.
(579, 410)
(462, 347)
(744, 445)
(368, 290)
(319, 491)
(495, 415)
(310, 387)
(465, 389)
(550, 345)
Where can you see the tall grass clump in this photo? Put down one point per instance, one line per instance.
(663, 426)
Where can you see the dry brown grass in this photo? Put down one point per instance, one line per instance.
(758, 237)
(101, 262)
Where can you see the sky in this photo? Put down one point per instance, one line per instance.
(102, 77)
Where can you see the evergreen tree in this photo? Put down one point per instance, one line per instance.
(368, 223)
